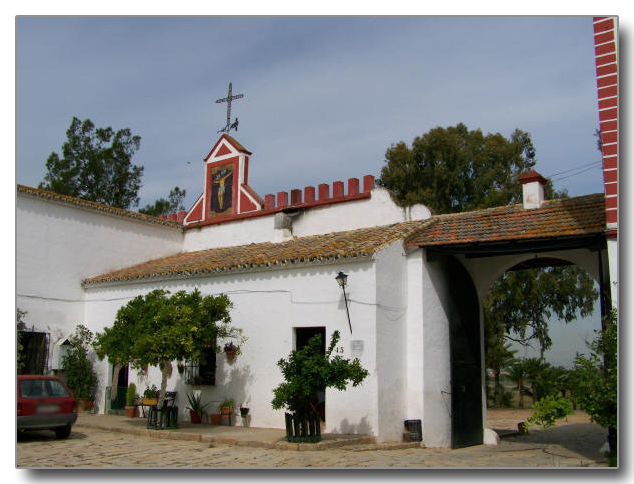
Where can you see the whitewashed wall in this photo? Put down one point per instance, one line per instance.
(268, 305)
(58, 245)
(436, 353)
(613, 257)
(391, 339)
(380, 209)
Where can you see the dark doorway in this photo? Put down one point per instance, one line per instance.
(118, 403)
(302, 335)
(34, 352)
(464, 340)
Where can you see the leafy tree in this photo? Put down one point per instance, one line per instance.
(522, 302)
(518, 375)
(455, 169)
(308, 371)
(19, 350)
(157, 329)
(499, 356)
(95, 165)
(77, 365)
(596, 388)
(173, 204)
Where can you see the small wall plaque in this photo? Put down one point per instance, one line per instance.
(356, 345)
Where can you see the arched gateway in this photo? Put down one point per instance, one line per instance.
(464, 253)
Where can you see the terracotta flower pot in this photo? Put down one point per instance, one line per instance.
(131, 411)
(84, 404)
(230, 354)
(225, 410)
(195, 417)
(215, 418)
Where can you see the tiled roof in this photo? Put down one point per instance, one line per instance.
(555, 218)
(311, 249)
(99, 207)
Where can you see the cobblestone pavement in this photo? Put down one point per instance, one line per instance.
(89, 447)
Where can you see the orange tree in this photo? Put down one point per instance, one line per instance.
(156, 329)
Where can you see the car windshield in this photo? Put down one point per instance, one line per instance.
(42, 388)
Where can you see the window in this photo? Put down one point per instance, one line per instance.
(202, 373)
(42, 388)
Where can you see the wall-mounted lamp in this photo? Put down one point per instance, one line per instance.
(342, 279)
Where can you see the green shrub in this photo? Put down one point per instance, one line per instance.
(308, 371)
(131, 397)
(79, 373)
(549, 409)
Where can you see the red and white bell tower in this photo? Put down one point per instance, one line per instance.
(226, 192)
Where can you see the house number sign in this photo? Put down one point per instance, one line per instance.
(356, 345)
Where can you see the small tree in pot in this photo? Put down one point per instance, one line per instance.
(307, 372)
(79, 373)
(131, 401)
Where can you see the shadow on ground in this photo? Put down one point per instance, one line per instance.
(46, 436)
(582, 438)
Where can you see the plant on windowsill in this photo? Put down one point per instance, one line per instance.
(131, 401)
(196, 407)
(231, 350)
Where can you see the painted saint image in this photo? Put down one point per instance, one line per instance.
(221, 189)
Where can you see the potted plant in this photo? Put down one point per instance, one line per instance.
(131, 400)
(226, 406)
(150, 395)
(306, 373)
(196, 407)
(79, 373)
(231, 350)
(244, 411)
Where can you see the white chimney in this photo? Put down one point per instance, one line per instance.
(532, 189)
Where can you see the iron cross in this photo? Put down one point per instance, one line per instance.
(228, 100)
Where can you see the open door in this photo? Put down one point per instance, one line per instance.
(466, 373)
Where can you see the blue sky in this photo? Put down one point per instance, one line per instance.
(324, 97)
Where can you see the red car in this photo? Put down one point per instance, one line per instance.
(45, 403)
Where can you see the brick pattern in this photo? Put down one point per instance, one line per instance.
(607, 89)
(555, 218)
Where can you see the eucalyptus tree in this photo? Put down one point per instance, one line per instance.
(96, 165)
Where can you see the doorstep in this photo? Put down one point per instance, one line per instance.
(220, 434)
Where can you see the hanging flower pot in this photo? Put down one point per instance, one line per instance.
(231, 350)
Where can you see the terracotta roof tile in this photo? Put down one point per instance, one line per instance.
(99, 207)
(349, 244)
(555, 218)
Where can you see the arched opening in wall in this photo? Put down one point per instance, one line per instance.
(538, 315)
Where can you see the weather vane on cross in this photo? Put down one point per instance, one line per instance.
(228, 100)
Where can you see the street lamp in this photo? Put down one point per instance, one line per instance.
(342, 279)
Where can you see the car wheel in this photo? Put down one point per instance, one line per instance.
(62, 432)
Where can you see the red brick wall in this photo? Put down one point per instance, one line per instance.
(607, 88)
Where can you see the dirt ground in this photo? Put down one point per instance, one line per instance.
(508, 418)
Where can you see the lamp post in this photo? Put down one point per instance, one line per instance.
(341, 280)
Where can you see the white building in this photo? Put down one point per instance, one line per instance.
(416, 284)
